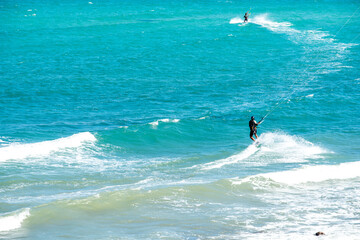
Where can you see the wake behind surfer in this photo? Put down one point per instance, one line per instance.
(253, 128)
(246, 16)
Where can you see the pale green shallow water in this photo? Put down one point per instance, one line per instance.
(129, 119)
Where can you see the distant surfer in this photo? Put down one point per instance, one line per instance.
(246, 16)
(253, 128)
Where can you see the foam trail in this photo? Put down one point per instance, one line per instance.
(297, 36)
(250, 150)
(263, 21)
(21, 151)
(273, 147)
(13, 220)
(283, 27)
(306, 174)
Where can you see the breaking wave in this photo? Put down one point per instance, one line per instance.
(13, 220)
(21, 151)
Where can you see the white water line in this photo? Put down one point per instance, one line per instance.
(281, 99)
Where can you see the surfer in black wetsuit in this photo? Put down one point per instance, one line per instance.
(253, 128)
(246, 16)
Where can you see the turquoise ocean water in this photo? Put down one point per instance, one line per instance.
(129, 119)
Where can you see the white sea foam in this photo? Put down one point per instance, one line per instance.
(312, 40)
(232, 159)
(264, 21)
(272, 148)
(20, 151)
(165, 120)
(13, 220)
(318, 173)
(286, 148)
(298, 36)
(236, 20)
(294, 35)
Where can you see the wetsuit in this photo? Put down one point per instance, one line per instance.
(252, 125)
(246, 17)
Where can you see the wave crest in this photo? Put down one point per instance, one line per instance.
(13, 220)
(21, 151)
